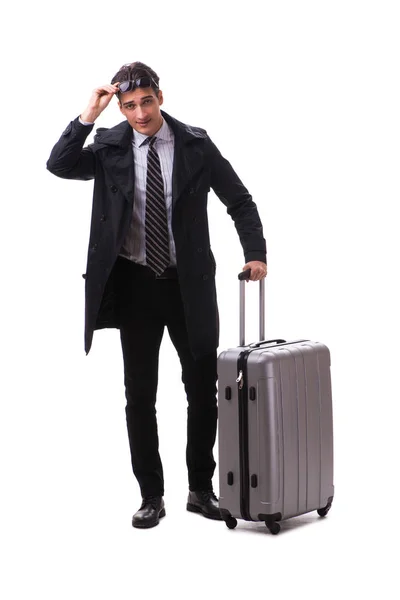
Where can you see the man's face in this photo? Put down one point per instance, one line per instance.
(141, 107)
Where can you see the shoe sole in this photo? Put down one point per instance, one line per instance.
(147, 525)
(197, 509)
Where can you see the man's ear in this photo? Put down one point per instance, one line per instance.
(160, 97)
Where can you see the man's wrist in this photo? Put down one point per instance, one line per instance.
(89, 116)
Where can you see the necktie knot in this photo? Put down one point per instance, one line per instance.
(150, 140)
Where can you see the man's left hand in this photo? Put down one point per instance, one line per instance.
(258, 270)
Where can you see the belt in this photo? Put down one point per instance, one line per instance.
(169, 273)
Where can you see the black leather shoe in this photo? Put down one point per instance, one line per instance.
(204, 502)
(150, 513)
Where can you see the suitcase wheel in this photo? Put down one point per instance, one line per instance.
(324, 511)
(274, 527)
(231, 522)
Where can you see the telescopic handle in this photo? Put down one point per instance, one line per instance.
(243, 276)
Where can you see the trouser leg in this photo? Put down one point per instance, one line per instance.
(199, 378)
(141, 331)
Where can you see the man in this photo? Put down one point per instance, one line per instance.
(150, 265)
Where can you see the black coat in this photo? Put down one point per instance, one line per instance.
(198, 166)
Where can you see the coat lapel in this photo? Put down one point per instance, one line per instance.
(122, 169)
(188, 155)
(119, 160)
(188, 161)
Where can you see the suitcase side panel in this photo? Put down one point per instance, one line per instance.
(228, 432)
(327, 456)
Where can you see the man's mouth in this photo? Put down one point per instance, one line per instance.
(143, 122)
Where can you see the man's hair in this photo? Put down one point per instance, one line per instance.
(133, 71)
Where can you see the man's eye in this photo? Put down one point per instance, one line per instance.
(129, 106)
(147, 101)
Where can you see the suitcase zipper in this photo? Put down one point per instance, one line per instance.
(239, 380)
(243, 434)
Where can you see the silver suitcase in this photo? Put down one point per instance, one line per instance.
(275, 432)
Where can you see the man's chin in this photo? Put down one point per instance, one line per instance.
(148, 128)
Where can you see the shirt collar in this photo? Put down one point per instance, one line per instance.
(164, 133)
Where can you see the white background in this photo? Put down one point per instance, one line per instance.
(303, 98)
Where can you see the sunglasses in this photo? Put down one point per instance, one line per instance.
(143, 82)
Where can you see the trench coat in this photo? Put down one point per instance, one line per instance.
(198, 167)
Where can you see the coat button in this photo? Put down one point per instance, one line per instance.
(205, 277)
(103, 218)
(94, 247)
(199, 249)
(191, 191)
(114, 188)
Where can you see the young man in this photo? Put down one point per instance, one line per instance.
(150, 265)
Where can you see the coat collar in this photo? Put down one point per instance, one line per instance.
(188, 155)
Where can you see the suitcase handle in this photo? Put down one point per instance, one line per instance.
(258, 344)
(243, 276)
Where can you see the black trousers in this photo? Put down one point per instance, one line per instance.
(146, 305)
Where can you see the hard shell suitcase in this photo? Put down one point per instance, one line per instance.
(275, 431)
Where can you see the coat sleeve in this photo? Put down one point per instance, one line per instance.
(68, 158)
(240, 205)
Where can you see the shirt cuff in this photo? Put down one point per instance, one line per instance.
(85, 122)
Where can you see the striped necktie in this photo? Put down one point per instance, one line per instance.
(156, 227)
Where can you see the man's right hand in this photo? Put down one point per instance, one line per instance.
(99, 100)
